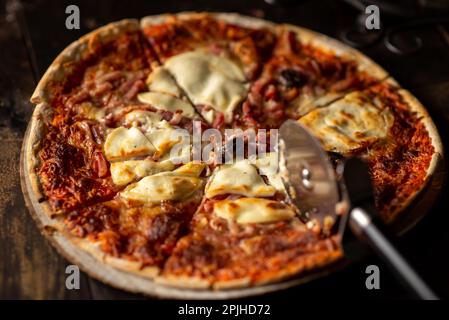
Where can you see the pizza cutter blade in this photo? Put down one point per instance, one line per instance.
(308, 176)
(312, 187)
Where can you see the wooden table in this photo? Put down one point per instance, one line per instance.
(32, 33)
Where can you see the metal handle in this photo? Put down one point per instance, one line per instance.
(363, 227)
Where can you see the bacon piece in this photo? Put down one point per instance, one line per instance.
(102, 89)
(176, 119)
(135, 88)
(111, 76)
(219, 120)
(100, 165)
(287, 44)
(81, 96)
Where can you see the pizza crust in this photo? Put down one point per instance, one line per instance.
(39, 122)
(246, 21)
(417, 107)
(184, 282)
(118, 263)
(422, 199)
(233, 18)
(331, 45)
(231, 284)
(308, 263)
(75, 52)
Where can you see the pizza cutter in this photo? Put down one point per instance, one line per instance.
(328, 198)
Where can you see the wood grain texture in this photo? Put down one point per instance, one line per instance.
(29, 268)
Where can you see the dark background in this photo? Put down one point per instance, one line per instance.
(32, 33)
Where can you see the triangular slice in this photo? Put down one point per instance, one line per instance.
(389, 128)
(306, 71)
(97, 74)
(138, 230)
(245, 241)
(211, 57)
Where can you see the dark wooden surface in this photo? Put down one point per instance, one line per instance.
(32, 33)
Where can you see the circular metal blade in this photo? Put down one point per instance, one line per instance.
(307, 173)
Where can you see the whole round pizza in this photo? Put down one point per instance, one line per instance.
(108, 186)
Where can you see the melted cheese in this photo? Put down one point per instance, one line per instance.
(89, 111)
(268, 166)
(122, 143)
(160, 80)
(193, 169)
(253, 210)
(164, 137)
(179, 153)
(143, 119)
(160, 187)
(167, 102)
(348, 124)
(209, 79)
(307, 101)
(159, 132)
(127, 171)
(176, 185)
(239, 178)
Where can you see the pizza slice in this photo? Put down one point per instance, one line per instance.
(245, 233)
(211, 57)
(91, 110)
(97, 74)
(306, 71)
(101, 71)
(388, 128)
(138, 229)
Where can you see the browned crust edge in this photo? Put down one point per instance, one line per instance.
(334, 46)
(418, 203)
(75, 51)
(234, 18)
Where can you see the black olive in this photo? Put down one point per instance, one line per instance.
(292, 78)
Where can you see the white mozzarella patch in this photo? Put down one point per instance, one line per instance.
(164, 137)
(208, 115)
(209, 79)
(239, 178)
(179, 153)
(308, 101)
(160, 80)
(89, 111)
(158, 188)
(168, 102)
(176, 185)
(159, 132)
(122, 144)
(268, 166)
(348, 124)
(253, 210)
(193, 169)
(128, 171)
(142, 118)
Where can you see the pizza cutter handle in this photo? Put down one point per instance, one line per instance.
(364, 228)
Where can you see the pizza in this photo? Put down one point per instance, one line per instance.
(100, 147)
